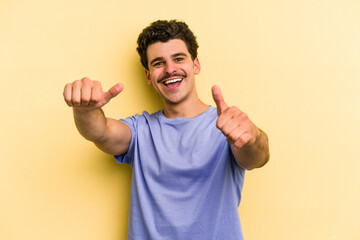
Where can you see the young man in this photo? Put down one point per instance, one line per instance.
(188, 160)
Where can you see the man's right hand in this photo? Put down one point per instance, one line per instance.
(86, 97)
(86, 94)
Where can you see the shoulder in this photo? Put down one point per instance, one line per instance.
(144, 115)
(157, 114)
(143, 119)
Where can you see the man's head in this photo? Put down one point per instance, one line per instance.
(163, 31)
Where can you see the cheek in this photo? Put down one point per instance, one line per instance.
(155, 73)
(151, 77)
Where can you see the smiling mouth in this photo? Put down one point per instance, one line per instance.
(168, 78)
(172, 81)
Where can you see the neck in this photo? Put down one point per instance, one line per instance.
(188, 109)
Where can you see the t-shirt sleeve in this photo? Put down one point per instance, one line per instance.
(128, 156)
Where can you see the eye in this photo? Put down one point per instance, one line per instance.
(156, 64)
(178, 59)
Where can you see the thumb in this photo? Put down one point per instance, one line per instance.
(219, 100)
(113, 92)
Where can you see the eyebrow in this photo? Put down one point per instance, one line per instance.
(179, 54)
(173, 56)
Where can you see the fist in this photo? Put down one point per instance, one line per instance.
(86, 94)
(234, 123)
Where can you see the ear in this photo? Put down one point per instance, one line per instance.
(197, 66)
(147, 76)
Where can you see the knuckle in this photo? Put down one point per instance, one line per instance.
(97, 99)
(85, 99)
(233, 109)
(86, 82)
(67, 98)
(219, 123)
(94, 99)
(68, 101)
(96, 83)
(244, 115)
(232, 135)
(96, 95)
(75, 100)
(238, 144)
(226, 132)
(96, 87)
(227, 129)
(76, 84)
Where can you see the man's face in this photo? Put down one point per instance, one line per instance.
(172, 71)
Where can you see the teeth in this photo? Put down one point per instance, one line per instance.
(173, 80)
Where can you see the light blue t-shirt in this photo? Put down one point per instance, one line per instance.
(185, 181)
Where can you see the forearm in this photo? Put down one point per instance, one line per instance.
(253, 155)
(91, 123)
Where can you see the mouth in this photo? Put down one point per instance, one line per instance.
(172, 81)
(172, 84)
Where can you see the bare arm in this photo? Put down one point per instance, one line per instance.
(249, 144)
(252, 154)
(86, 97)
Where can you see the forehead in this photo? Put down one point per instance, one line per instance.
(166, 49)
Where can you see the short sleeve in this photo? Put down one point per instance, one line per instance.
(127, 157)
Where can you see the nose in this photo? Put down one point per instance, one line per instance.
(170, 67)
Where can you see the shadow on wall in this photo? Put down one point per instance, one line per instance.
(105, 168)
(113, 178)
(145, 97)
(117, 177)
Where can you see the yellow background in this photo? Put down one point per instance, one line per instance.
(292, 65)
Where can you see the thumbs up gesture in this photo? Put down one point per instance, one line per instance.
(86, 94)
(234, 123)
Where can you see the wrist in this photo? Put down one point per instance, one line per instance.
(84, 110)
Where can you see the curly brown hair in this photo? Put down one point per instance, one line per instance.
(163, 31)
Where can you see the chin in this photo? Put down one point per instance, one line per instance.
(173, 101)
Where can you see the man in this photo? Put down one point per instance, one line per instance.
(188, 160)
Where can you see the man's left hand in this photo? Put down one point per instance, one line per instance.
(234, 123)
